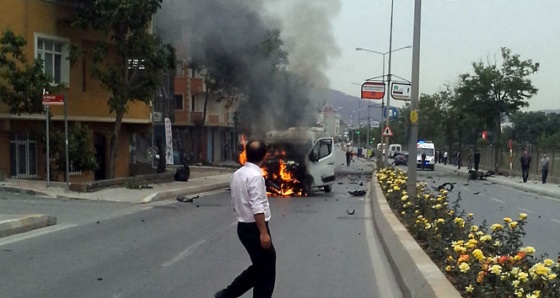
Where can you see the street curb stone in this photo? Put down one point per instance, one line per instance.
(418, 275)
(25, 224)
(171, 194)
(24, 191)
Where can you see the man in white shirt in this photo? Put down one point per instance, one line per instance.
(250, 203)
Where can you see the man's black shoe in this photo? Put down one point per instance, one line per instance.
(220, 294)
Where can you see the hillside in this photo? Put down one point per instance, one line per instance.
(347, 104)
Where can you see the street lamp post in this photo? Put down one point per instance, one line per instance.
(413, 136)
(388, 81)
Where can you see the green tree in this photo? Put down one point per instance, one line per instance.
(529, 127)
(141, 58)
(81, 153)
(498, 91)
(22, 83)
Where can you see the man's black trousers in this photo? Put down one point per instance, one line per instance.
(261, 275)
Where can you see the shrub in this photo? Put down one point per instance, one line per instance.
(478, 260)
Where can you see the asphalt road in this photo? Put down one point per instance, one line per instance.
(493, 202)
(172, 249)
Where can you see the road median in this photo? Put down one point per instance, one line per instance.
(23, 224)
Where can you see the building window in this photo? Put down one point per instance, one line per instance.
(179, 102)
(192, 103)
(53, 51)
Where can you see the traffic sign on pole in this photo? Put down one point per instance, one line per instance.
(53, 99)
(387, 132)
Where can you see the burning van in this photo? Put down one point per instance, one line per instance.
(300, 160)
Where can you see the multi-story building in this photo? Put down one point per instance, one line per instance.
(21, 150)
(331, 121)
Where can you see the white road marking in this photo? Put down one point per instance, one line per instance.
(185, 253)
(375, 251)
(525, 210)
(147, 208)
(34, 233)
(499, 201)
(555, 220)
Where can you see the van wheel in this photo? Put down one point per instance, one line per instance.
(327, 188)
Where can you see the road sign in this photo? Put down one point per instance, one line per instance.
(414, 116)
(401, 91)
(393, 112)
(53, 99)
(387, 132)
(374, 123)
(373, 90)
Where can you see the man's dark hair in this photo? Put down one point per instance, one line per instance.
(256, 151)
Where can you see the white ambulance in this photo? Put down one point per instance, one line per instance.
(427, 148)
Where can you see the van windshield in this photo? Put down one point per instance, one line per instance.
(427, 151)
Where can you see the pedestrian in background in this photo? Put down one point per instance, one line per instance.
(470, 159)
(525, 165)
(545, 163)
(250, 203)
(476, 160)
(445, 157)
(458, 159)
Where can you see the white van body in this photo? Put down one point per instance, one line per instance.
(311, 148)
(382, 147)
(394, 149)
(429, 149)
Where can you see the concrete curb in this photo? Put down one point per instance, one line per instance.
(24, 191)
(518, 186)
(25, 224)
(417, 273)
(172, 194)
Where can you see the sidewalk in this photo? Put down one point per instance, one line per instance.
(14, 224)
(549, 189)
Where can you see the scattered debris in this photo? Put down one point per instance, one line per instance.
(361, 184)
(447, 186)
(357, 193)
(350, 212)
(98, 222)
(476, 193)
(340, 183)
(99, 278)
(187, 200)
(142, 220)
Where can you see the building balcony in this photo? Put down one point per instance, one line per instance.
(197, 86)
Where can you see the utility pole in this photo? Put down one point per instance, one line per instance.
(413, 136)
(386, 158)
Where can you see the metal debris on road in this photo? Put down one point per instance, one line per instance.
(187, 200)
(357, 193)
(350, 212)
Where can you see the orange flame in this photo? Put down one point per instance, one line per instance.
(243, 155)
(287, 182)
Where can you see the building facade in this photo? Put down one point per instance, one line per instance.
(21, 147)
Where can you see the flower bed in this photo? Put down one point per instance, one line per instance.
(479, 261)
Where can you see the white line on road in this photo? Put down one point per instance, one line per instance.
(34, 233)
(147, 208)
(499, 201)
(555, 220)
(185, 253)
(525, 210)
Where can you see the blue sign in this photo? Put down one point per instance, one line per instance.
(393, 111)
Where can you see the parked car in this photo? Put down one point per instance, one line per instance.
(401, 158)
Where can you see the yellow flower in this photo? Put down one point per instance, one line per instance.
(498, 243)
(470, 215)
(403, 213)
(519, 292)
(441, 220)
(396, 188)
(531, 296)
(474, 228)
(513, 224)
(496, 227)
(522, 276)
(522, 216)
(448, 268)
(477, 253)
(496, 269)
(515, 283)
(390, 191)
(515, 271)
(539, 269)
(537, 293)
(529, 249)
(460, 222)
(507, 219)
(438, 206)
(548, 262)
(464, 267)
(404, 198)
(469, 289)
(486, 238)
(552, 276)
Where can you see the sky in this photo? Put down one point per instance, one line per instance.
(454, 34)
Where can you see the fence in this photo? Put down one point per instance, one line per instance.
(487, 162)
